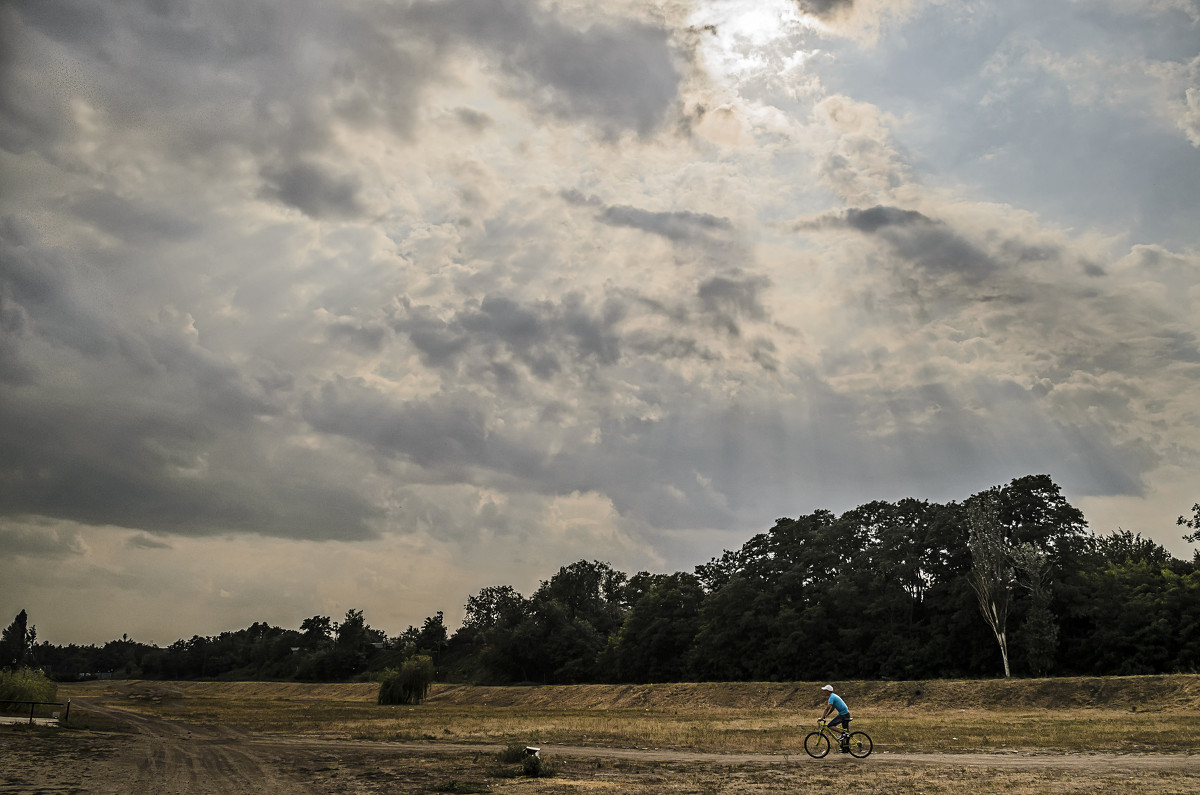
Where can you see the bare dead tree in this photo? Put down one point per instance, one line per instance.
(992, 576)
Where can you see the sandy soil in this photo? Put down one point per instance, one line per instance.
(158, 756)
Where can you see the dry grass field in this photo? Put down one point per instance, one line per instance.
(1023, 736)
(1049, 715)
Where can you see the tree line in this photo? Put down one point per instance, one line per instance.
(1008, 581)
(320, 650)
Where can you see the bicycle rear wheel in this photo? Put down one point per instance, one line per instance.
(860, 744)
(816, 744)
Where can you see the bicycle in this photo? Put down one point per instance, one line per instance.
(818, 743)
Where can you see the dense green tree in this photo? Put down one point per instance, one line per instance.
(588, 592)
(316, 631)
(1126, 547)
(1130, 635)
(356, 635)
(494, 606)
(653, 642)
(492, 628)
(1038, 633)
(1033, 510)
(1192, 524)
(735, 627)
(433, 636)
(1138, 610)
(16, 642)
(558, 634)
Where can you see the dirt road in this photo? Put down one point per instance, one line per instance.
(1188, 762)
(159, 756)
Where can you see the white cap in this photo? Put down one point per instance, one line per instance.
(828, 687)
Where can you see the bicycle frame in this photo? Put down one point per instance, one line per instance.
(834, 735)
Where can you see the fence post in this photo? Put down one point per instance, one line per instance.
(67, 716)
(32, 704)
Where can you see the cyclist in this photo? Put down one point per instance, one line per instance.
(843, 715)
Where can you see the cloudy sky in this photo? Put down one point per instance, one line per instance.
(308, 306)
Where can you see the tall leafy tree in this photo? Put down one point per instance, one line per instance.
(1138, 610)
(1039, 630)
(588, 591)
(317, 632)
(1192, 524)
(1032, 509)
(494, 606)
(17, 642)
(493, 628)
(433, 636)
(735, 629)
(653, 642)
(356, 636)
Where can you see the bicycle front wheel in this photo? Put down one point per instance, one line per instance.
(816, 744)
(860, 744)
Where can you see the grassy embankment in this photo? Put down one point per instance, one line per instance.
(1054, 715)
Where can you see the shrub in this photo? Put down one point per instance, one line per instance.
(410, 684)
(26, 684)
(389, 687)
(511, 754)
(532, 765)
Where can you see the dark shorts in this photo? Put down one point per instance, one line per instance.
(843, 719)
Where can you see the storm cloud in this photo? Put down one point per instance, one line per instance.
(824, 8)
(620, 74)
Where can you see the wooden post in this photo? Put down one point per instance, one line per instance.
(67, 715)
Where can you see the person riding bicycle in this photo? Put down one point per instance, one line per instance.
(835, 702)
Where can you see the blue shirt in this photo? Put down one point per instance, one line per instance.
(837, 702)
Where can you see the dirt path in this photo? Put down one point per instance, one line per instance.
(1189, 762)
(160, 756)
(167, 757)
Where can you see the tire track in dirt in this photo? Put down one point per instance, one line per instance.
(169, 757)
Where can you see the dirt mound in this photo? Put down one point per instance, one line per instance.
(1124, 692)
(155, 692)
(1179, 691)
(1176, 691)
(360, 691)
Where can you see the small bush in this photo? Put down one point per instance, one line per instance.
(511, 755)
(26, 684)
(531, 765)
(538, 767)
(389, 688)
(410, 684)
